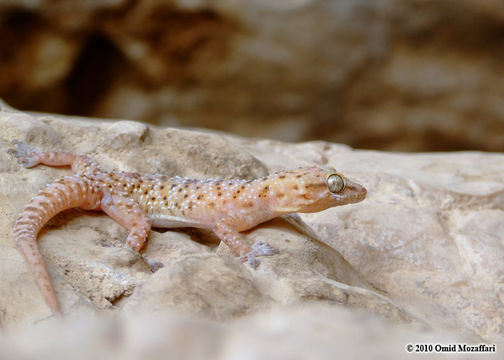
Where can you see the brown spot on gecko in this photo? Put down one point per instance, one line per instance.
(180, 190)
(31, 208)
(295, 187)
(185, 196)
(281, 177)
(164, 197)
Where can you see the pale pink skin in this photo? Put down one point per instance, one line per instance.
(138, 202)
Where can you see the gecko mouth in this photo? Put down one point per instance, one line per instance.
(360, 193)
(353, 193)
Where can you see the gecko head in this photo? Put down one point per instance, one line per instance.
(343, 190)
(319, 188)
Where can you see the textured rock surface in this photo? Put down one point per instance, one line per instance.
(424, 247)
(309, 332)
(414, 75)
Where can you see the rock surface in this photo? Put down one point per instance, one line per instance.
(415, 75)
(425, 247)
(309, 332)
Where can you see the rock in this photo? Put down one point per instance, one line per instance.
(312, 331)
(212, 286)
(423, 248)
(418, 75)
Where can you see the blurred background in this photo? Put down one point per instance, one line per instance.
(417, 75)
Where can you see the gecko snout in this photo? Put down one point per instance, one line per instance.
(357, 191)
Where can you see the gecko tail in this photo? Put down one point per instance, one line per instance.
(66, 193)
(26, 244)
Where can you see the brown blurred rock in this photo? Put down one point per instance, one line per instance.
(416, 75)
(424, 247)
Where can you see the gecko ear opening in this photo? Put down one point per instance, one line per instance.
(336, 183)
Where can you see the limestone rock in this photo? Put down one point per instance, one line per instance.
(423, 248)
(312, 331)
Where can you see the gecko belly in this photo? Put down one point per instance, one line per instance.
(175, 222)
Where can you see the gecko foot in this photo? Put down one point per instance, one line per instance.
(152, 264)
(259, 249)
(26, 155)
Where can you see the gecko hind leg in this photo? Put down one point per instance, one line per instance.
(128, 213)
(28, 156)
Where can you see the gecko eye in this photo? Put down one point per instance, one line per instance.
(335, 183)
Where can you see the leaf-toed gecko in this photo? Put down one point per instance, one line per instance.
(138, 202)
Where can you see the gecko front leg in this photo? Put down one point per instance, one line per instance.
(226, 231)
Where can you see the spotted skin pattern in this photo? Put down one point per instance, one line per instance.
(138, 202)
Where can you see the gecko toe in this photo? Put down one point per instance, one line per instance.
(153, 265)
(253, 261)
(259, 249)
(262, 249)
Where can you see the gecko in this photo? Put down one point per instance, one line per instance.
(139, 202)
